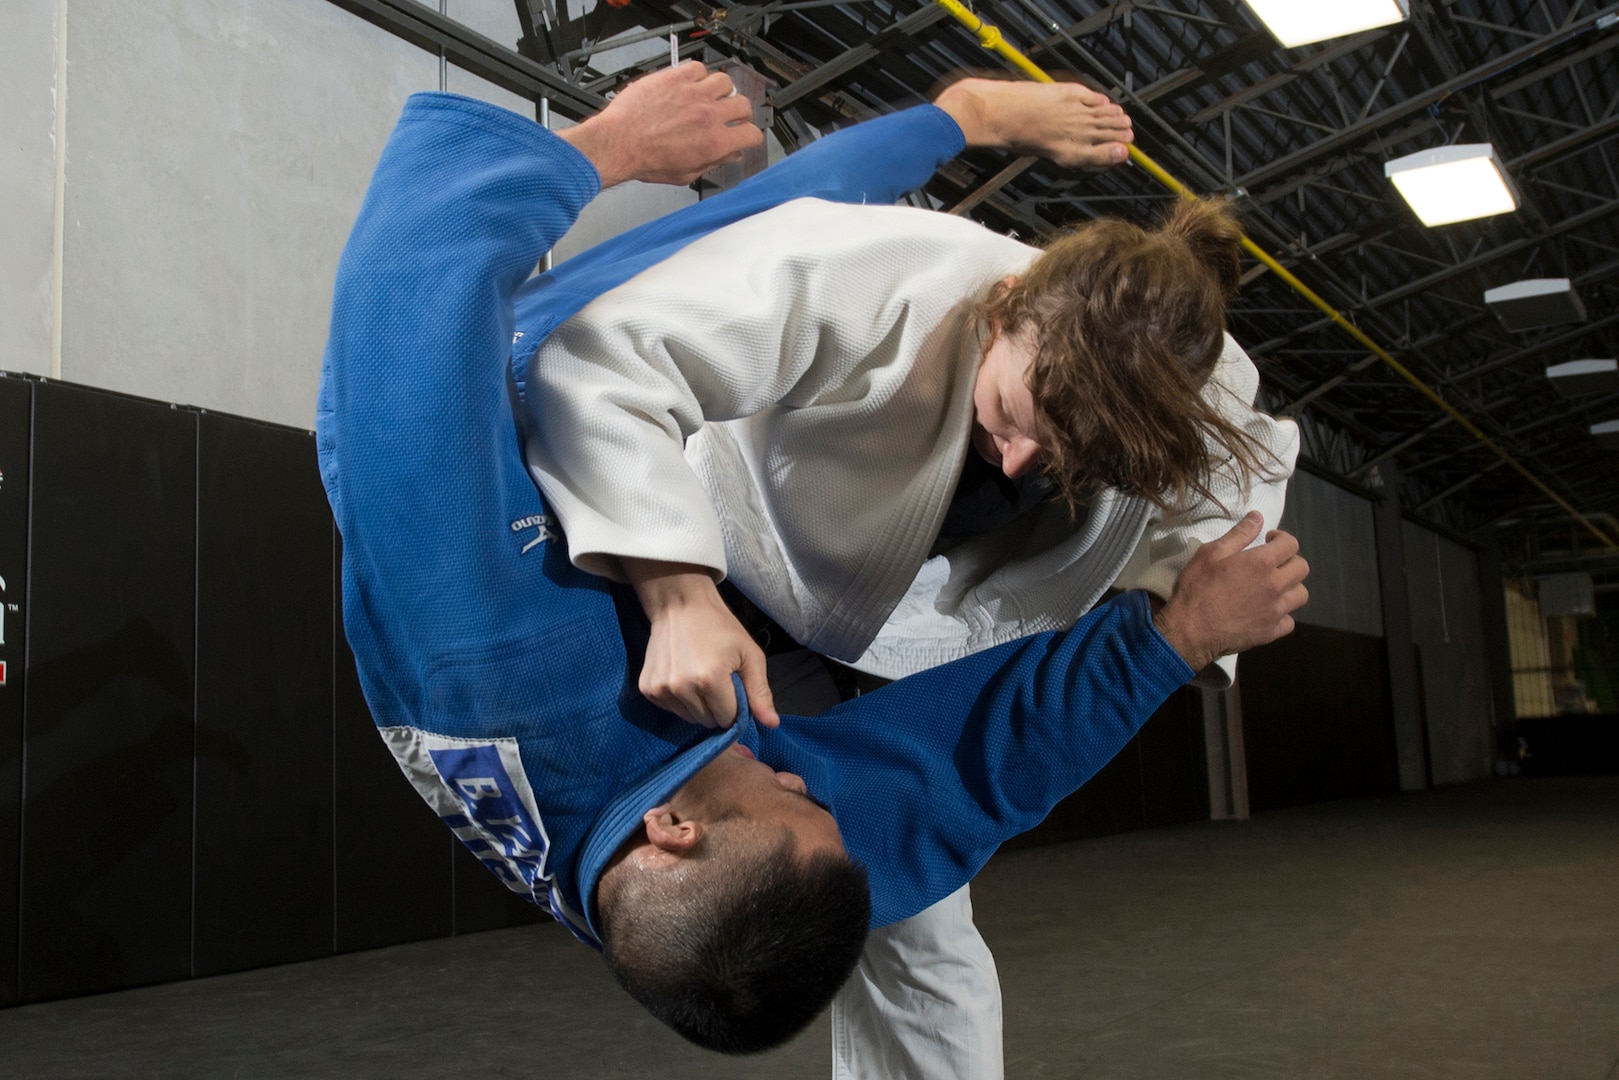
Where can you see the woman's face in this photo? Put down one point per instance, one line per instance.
(1006, 431)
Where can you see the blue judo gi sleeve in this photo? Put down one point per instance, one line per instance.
(931, 774)
(874, 162)
(414, 428)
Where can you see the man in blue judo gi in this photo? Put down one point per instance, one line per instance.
(725, 873)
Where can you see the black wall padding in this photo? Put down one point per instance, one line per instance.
(190, 781)
(1317, 721)
(193, 783)
(16, 406)
(392, 852)
(1174, 763)
(483, 903)
(107, 802)
(1159, 778)
(264, 699)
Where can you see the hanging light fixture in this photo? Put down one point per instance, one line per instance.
(1453, 183)
(1300, 22)
(1535, 302)
(1577, 377)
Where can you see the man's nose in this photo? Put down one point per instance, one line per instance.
(792, 782)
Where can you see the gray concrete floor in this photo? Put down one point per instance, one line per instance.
(1469, 932)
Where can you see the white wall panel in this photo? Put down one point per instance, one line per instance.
(1335, 534)
(27, 185)
(217, 154)
(457, 81)
(497, 20)
(621, 208)
(494, 19)
(1447, 624)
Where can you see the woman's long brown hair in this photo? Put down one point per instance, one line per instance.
(1127, 325)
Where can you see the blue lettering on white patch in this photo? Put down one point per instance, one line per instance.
(494, 825)
(478, 787)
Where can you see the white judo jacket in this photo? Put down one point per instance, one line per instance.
(788, 401)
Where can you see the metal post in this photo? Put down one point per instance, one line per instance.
(1398, 643)
(1226, 756)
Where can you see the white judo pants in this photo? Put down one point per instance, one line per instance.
(925, 1002)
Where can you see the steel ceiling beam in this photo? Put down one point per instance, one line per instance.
(1204, 173)
(1299, 67)
(1566, 338)
(1566, 145)
(913, 23)
(471, 51)
(1561, 416)
(1365, 129)
(990, 36)
(1516, 356)
(1428, 281)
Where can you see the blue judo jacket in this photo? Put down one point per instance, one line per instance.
(502, 677)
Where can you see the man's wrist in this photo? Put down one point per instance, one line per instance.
(600, 146)
(1183, 639)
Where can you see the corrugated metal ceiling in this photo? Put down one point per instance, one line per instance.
(1298, 137)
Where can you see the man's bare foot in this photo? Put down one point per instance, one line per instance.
(1071, 124)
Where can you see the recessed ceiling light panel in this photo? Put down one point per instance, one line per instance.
(1606, 434)
(1453, 183)
(1299, 22)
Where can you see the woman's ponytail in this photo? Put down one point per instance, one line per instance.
(1209, 229)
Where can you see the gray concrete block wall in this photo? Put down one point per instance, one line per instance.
(216, 153)
(1335, 532)
(27, 186)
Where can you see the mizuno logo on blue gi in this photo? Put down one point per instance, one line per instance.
(542, 522)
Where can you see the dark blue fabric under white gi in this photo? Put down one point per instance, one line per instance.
(502, 677)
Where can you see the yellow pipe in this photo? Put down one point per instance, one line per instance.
(989, 37)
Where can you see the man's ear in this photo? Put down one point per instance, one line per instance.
(670, 832)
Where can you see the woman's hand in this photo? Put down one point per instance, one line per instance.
(696, 644)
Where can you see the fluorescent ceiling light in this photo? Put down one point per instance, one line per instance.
(1524, 305)
(1607, 434)
(1299, 22)
(1453, 183)
(1585, 377)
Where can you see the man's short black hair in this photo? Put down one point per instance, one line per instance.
(752, 952)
